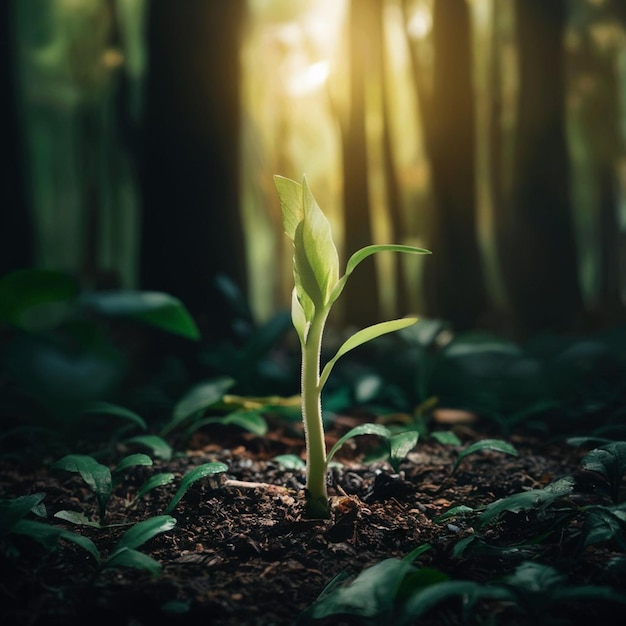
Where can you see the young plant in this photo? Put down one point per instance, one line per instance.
(317, 287)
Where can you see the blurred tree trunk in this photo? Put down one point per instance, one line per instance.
(392, 188)
(191, 215)
(453, 282)
(361, 302)
(16, 235)
(539, 253)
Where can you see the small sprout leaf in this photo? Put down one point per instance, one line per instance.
(132, 460)
(48, 536)
(160, 448)
(400, 445)
(15, 509)
(250, 420)
(106, 408)
(370, 596)
(446, 438)
(96, 475)
(363, 429)
(208, 469)
(610, 461)
(158, 480)
(486, 444)
(138, 534)
(455, 511)
(363, 253)
(127, 557)
(601, 525)
(363, 336)
(157, 309)
(76, 517)
(528, 500)
(197, 399)
(417, 552)
(290, 461)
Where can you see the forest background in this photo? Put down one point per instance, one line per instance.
(141, 138)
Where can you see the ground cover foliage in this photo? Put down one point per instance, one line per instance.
(173, 489)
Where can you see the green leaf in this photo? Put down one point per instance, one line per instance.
(160, 448)
(363, 336)
(29, 299)
(76, 517)
(528, 500)
(126, 557)
(199, 398)
(426, 598)
(132, 460)
(495, 445)
(601, 525)
(290, 195)
(609, 461)
(455, 511)
(318, 244)
(417, 552)
(15, 509)
(299, 318)
(363, 429)
(208, 469)
(290, 461)
(250, 420)
(446, 438)
(144, 531)
(400, 445)
(107, 408)
(96, 475)
(48, 536)
(363, 253)
(154, 308)
(370, 596)
(158, 480)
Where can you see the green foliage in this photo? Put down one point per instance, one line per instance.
(608, 460)
(155, 481)
(29, 299)
(159, 447)
(528, 500)
(494, 445)
(398, 445)
(202, 471)
(154, 308)
(317, 285)
(201, 397)
(97, 476)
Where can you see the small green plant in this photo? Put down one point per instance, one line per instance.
(317, 287)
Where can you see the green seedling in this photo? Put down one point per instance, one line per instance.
(14, 521)
(99, 478)
(208, 469)
(317, 287)
(125, 553)
(609, 461)
(495, 445)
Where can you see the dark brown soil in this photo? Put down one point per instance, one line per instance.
(242, 554)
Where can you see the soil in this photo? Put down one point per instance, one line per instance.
(242, 554)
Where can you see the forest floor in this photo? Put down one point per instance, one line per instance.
(241, 553)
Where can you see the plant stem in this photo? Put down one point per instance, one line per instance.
(317, 498)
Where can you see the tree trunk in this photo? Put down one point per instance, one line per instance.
(454, 282)
(16, 234)
(191, 218)
(361, 303)
(539, 253)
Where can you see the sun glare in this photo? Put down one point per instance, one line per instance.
(308, 79)
(420, 22)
